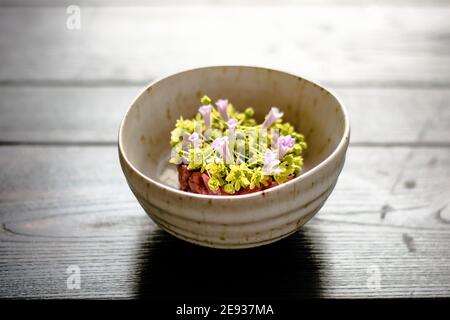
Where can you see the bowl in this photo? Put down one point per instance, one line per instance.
(235, 221)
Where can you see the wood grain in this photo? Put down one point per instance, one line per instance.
(346, 45)
(64, 200)
(71, 205)
(92, 115)
(65, 3)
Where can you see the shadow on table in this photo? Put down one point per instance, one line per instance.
(172, 268)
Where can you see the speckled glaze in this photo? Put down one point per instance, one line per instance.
(232, 221)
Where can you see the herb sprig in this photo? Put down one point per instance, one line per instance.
(234, 150)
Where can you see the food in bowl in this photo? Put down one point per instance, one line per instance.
(230, 221)
(222, 151)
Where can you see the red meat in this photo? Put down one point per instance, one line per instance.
(183, 177)
(196, 182)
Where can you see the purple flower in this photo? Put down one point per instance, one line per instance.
(273, 115)
(270, 161)
(232, 124)
(194, 138)
(284, 144)
(221, 146)
(205, 111)
(222, 105)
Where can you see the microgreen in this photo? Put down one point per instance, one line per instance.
(234, 150)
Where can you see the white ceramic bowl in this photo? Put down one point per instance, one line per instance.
(232, 221)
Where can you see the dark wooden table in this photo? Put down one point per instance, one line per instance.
(384, 232)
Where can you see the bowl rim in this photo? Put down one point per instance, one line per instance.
(342, 145)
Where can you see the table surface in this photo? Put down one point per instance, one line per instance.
(385, 230)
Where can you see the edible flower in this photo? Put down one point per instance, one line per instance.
(221, 146)
(194, 138)
(222, 105)
(273, 115)
(285, 143)
(270, 162)
(205, 111)
(232, 124)
(229, 149)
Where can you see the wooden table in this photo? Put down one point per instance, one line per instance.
(384, 232)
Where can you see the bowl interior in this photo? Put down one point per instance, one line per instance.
(145, 132)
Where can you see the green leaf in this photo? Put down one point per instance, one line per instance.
(213, 183)
(229, 188)
(205, 100)
(249, 112)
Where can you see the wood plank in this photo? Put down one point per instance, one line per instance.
(71, 205)
(52, 114)
(65, 3)
(347, 45)
(92, 115)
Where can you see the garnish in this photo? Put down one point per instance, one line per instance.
(223, 151)
(222, 106)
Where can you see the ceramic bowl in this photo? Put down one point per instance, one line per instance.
(232, 221)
